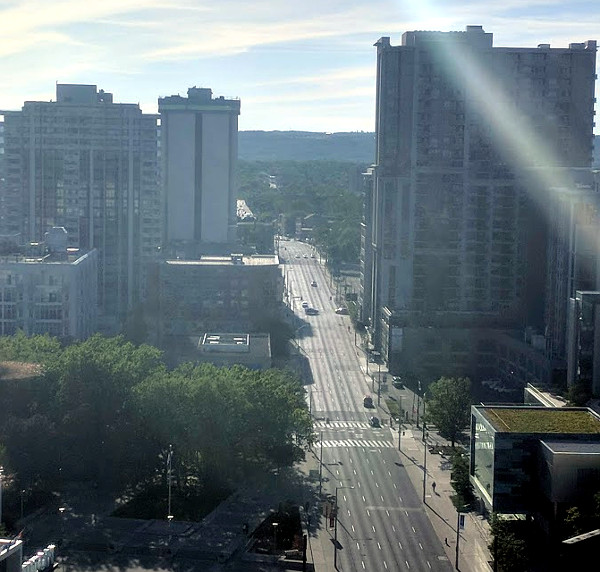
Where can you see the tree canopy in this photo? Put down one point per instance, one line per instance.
(448, 406)
(106, 410)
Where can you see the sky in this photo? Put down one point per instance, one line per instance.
(307, 66)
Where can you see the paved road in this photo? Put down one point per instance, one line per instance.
(381, 521)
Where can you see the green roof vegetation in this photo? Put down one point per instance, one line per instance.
(542, 420)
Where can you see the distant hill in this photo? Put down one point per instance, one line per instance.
(357, 147)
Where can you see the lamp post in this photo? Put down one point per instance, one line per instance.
(61, 510)
(1, 473)
(335, 540)
(169, 464)
(425, 465)
(275, 525)
(418, 401)
(22, 494)
(321, 466)
(400, 426)
(424, 419)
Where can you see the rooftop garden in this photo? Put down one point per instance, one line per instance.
(542, 420)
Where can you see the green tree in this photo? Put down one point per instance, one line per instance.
(460, 481)
(507, 548)
(448, 406)
(574, 522)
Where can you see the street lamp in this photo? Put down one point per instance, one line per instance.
(1, 473)
(335, 540)
(61, 510)
(425, 465)
(321, 466)
(275, 525)
(418, 401)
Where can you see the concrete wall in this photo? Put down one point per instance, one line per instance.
(180, 175)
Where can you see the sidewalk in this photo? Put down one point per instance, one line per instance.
(474, 555)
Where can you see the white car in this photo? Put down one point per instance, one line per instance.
(342, 311)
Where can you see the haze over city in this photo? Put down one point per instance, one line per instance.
(307, 66)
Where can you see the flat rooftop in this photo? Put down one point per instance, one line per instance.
(254, 260)
(541, 419)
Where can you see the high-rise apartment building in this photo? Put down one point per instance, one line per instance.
(199, 154)
(453, 234)
(90, 165)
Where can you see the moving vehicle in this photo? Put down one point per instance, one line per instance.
(342, 311)
(305, 304)
(313, 283)
(374, 421)
(311, 311)
(368, 401)
(397, 382)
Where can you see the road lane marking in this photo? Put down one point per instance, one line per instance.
(379, 545)
(364, 499)
(400, 545)
(373, 528)
(414, 529)
(393, 528)
(428, 564)
(368, 513)
(407, 564)
(420, 546)
(386, 510)
(384, 564)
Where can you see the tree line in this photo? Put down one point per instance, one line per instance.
(106, 410)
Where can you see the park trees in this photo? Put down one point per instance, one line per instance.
(448, 406)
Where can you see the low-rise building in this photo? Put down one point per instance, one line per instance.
(52, 292)
(217, 294)
(532, 460)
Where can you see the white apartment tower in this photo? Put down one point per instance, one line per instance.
(452, 237)
(199, 154)
(89, 165)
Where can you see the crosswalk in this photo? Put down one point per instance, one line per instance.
(369, 443)
(342, 425)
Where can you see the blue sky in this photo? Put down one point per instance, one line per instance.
(306, 65)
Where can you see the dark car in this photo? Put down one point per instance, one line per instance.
(368, 401)
(397, 382)
(374, 421)
(311, 311)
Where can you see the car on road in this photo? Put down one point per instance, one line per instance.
(313, 283)
(305, 256)
(305, 304)
(397, 382)
(311, 311)
(297, 256)
(312, 255)
(368, 401)
(374, 422)
(342, 311)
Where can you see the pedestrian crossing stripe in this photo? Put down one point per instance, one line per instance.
(358, 443)
(342, 424)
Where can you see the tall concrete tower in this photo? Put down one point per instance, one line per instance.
(199, 146)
